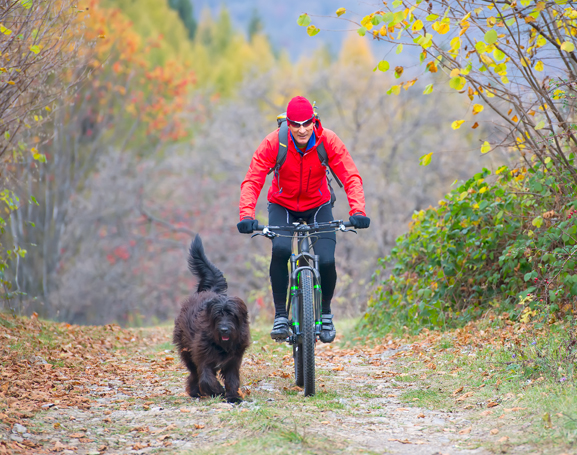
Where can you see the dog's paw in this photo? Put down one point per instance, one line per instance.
(233, 399)
(193, 392)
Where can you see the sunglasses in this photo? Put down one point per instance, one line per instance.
(304, 124)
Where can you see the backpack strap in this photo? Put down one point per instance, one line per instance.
(282, 147)
(324, 159)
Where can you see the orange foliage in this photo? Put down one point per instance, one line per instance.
(120, 65)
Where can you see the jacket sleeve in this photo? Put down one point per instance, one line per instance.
(263, 159)
(341, 162)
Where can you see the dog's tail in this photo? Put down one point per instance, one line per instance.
(209, 277)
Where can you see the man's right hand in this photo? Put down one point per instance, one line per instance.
(247, 226)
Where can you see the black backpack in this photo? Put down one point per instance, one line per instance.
(283, 150)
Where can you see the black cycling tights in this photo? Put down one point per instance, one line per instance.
(323, 245)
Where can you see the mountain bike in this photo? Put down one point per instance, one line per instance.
(304, 302)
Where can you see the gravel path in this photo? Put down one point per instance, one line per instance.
(357, 409)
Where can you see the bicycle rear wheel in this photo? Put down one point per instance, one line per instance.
(308, 332)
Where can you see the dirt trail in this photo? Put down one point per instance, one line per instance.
(357, 409)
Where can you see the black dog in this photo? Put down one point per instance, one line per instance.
(211, 332)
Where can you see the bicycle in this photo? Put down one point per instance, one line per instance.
(304, 304)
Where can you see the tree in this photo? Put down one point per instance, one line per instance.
(516, 57)
(38, 41)
(255, 25)
(186, 13)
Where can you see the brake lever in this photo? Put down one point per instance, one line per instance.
(255, 234)
(350, 230)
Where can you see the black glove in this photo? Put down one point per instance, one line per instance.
(359, 221)
(247, 226)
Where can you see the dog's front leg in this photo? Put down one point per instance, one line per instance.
(231, 375)
(208, 383)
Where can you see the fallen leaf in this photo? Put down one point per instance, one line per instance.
(503, 439)
(421, 416)
(459, 390)
(184, 410)
(486, 413)
(494, 431)
(198, 426)
(402, 441)
(402, 409)
(492, 404)
(466, 430)
(464, 396)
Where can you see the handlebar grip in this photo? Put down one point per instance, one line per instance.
(347, 224)
(260, 227)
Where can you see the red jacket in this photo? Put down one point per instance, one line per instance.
(301, 183)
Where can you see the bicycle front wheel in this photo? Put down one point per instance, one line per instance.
(308, 332)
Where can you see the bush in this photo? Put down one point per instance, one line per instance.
(507, 243)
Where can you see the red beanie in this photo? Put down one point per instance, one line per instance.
(299, 109)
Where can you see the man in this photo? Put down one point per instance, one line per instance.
(300, 190)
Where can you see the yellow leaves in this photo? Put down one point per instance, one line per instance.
(101, 36)
(515, 119)
(399, 71)
(394, 90)
(477, 108)
(455, 43)
(35, 49)
(540, 125)
(491, 37)
(428, 89)
(457, 83)
(570, 13)
(455, 72)
(417, 25)
(483, 189)
(525, 62)
(481, 47)
(568, 46)
(304, 20)
(457, 124)
(11, 82)
(491, 21)
(539, 66)
(541, 41)
(441, 27)
(409, 84)
(432, 67)
(367, 22)
(486, 147)
(425, 160)
(464, 27)
(5, 30)
(383, 66)
(341, 11)
(312, 30)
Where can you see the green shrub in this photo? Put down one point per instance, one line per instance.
(506, 243)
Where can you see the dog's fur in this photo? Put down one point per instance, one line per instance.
(211, 332)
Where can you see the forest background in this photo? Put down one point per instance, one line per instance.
(143, 134)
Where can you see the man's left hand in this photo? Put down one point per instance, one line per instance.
(360, 221)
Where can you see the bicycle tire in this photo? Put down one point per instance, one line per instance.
(298, 359)
(308, 332)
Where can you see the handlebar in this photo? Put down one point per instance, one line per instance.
(340, 225)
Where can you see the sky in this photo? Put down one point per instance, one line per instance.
(280, 20)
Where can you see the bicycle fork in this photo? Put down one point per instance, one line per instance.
(296, 292)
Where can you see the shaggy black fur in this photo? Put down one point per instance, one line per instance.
(211, 332)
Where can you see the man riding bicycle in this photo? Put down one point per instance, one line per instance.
(300, 190)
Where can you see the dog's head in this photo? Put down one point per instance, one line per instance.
(229, 319)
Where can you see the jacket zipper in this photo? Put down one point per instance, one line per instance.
(309, 179)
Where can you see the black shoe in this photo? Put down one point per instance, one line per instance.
(280, 329)
(328, 332)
